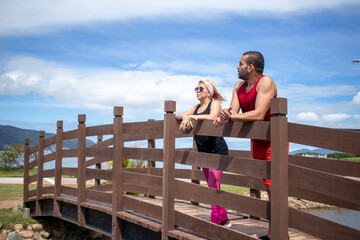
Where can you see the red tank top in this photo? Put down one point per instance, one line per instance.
(247, 99)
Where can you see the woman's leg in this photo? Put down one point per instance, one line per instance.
(213, 178)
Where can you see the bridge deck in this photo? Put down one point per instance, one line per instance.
(240, 223)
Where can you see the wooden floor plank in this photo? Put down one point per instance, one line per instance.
(240, 222)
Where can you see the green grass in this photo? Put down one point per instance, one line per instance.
(13, 191)
(8, 218)
(234, 189)
(356, 159)
(15, 172)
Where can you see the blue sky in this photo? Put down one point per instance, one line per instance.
(59, 59)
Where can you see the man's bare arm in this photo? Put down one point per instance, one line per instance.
(266, 90)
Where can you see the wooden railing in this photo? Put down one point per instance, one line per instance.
(320, 180)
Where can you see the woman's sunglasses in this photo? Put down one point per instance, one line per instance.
(199, 89)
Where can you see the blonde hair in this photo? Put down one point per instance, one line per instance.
(217, 96)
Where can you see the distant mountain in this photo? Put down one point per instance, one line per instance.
(317, 150)
(10, 135)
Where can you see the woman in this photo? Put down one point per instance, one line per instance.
(208, 109)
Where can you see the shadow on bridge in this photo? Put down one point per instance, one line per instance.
(168, 206)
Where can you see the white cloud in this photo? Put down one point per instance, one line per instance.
(357, 116)
(303, 92)
(356, 98)
(335, 117)
(21, 16)
(100, 89)
(308, 117)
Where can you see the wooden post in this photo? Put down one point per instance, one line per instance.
(40, 173)
(168, 192)
(58, 166)
(98, 165)
(81, 181)
(254, 192)
(193, 169)
(118, 158)
(26, 168)
(151, 145)
(279, 169)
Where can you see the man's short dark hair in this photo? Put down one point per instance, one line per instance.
(255, 58)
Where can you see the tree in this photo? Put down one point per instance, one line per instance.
(12, 157)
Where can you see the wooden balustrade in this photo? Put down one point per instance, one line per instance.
(301, 177)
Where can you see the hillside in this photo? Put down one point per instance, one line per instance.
(10, 135)
(317, 150)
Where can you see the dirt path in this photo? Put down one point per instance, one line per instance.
(10, 203)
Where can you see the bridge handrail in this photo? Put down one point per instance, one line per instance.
(308, 177)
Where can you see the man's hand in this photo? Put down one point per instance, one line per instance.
(223, 118)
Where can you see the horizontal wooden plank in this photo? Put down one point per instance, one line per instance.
(95, 161)
(102, 208)
(69, 191)
(136, 128)
(326, 184)
(143, 154)
(243, 181)
(320, 227)
(50, 157)
(99, 174)
(48, 190)
(143, 207)
(70, 171)
(197, 193)
(34, 149)
(99, 196)
(207, 229)
(339, 167)
(33, 164)
(67, 199)
(245, 166)
(139, 220)
(33, 178)
(183, 173)
(50, 141)
(240, 153)
(32, 193)
(132, 188)
(142, 180)
(102, 187)
(327, 138)
(105, 143)
(103, 152)
(179, 234)
(99, 130)
(250, 130)
(315, 196)
(228, 178)
(70, 134)
(49, 173)
(143, 136)
(70, 153)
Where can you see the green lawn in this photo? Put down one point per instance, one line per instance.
(8, 217)
(357, 159)
(15, 172)
(13, 191)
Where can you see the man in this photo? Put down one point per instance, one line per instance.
(252, 96)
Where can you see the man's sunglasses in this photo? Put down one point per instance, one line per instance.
(199, 89)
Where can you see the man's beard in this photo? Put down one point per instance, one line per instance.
(244, 76)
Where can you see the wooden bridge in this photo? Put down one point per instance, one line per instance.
(170, 208)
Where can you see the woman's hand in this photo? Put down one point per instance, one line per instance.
(186, 124)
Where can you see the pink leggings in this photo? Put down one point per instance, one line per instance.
(213, 177)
